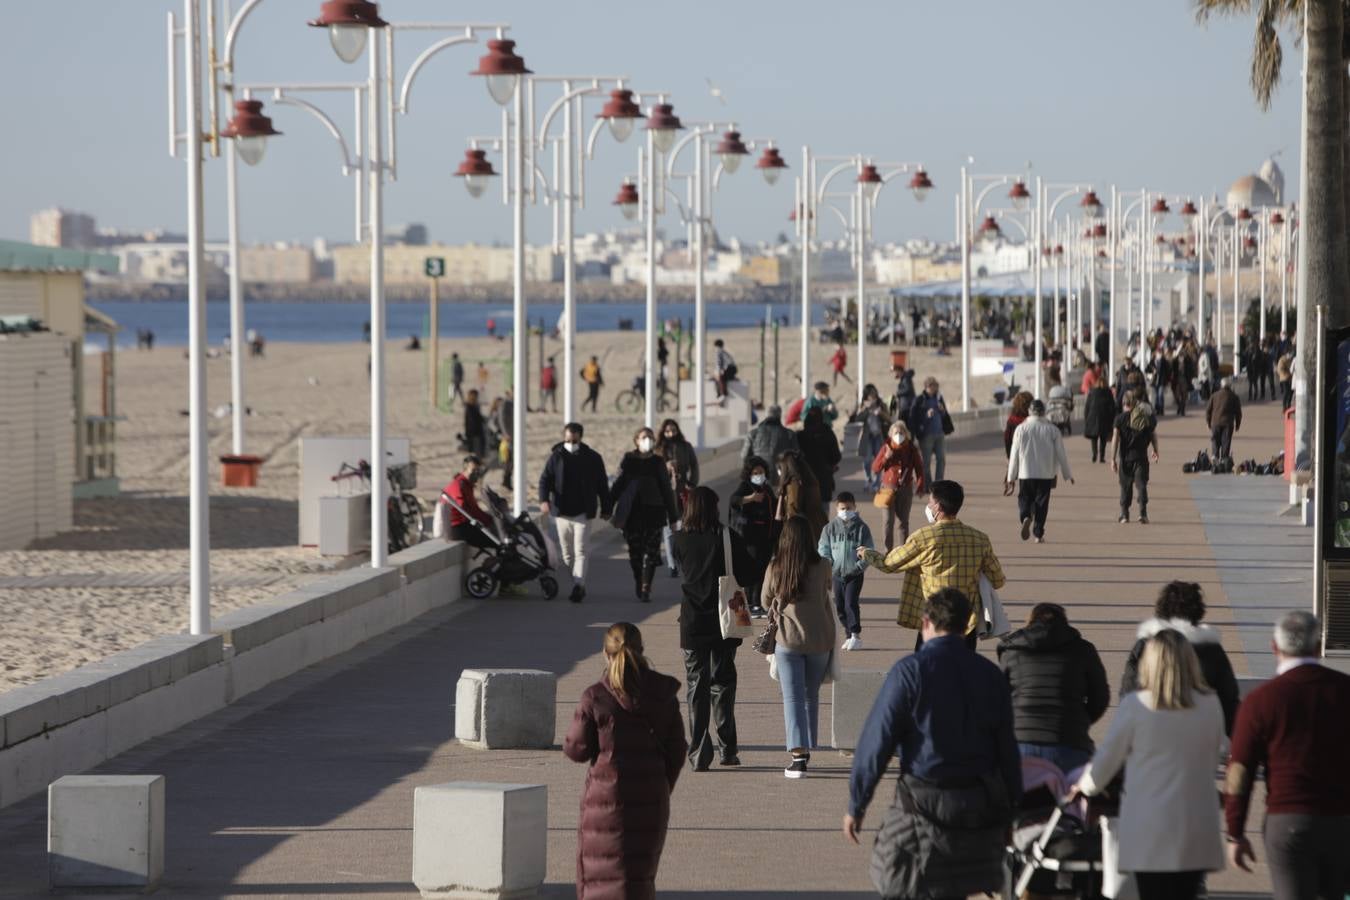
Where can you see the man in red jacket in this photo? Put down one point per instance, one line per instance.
(839, 362)
(1298, 726)
(460, 490)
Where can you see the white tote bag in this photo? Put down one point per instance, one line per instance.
(993, 620)
(732, 609)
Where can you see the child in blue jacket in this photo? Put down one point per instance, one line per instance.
(839, 543)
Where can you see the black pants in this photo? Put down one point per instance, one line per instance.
(1099, 445)
(1286, 394)
(471, 535)
(1033, 502)
(710, 694)
(1269, 375)
(592, 395)
(1134, 476)
(1307, 855)
(1168, 885)
(846, 593)
(644, 551)
(1221, 441)
(1253, 379)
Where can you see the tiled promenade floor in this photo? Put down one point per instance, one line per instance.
(305, 789)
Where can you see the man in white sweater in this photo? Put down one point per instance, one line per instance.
(1037, 452)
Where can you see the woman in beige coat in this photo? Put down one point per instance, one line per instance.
(796, 591)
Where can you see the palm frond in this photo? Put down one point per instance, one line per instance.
(1267, 54)
(1206, 8)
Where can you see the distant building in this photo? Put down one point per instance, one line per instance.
(62, 228)
(414, 235)
(277, 264)
(167, 263)
(466, 264)
(1265, 188)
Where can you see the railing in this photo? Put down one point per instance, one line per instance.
(100, 448)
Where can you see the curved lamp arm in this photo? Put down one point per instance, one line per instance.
(423, 58)
(232, 34)
(696, 131)
(825, 182)
(348, 164)
(542, 138)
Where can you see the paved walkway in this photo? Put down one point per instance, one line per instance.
(305, 789)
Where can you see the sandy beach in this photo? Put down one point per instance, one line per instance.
(120, 577)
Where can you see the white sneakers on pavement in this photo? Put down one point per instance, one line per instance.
(852, 643)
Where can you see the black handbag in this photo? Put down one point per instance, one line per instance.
(947, 426)
(767, 641)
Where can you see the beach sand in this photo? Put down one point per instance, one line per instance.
(120, 577)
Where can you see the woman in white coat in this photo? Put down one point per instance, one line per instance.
(1167, 736)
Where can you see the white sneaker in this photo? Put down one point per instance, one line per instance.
(856, 642)
(847, 644)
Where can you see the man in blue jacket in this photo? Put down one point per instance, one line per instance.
(948, 712)
(571, 486)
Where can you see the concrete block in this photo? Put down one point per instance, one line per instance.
(106, 832)
(350, 589)
(475, 840)
(426, 559)
(854, 694)
(165, 709)
(505, 708)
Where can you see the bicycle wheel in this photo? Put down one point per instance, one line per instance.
(669, 401)
(394, 523)
(628, 402)
(414, 525)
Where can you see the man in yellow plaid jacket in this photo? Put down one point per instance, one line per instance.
(946, 554)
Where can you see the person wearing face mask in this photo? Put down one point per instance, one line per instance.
(928, 420)
(682, 466)
(875, 420)
(839, 543)
(798, 493)
(571, 487)
(643, 505)
(752, 507)
(899, 470)
(946, 554)
(460, 490)
(820, 399)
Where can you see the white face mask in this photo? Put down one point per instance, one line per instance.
(645, 444)
(757, 479)
(928, 511)
(846, 514)
(898, 440)
(571, 447)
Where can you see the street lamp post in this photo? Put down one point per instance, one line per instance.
(662, 125)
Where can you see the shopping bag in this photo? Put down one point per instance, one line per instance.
(440, 519)
(732, 609)
(993, 620)
(548, 527)
(1116, 884)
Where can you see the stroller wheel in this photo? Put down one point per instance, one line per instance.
(550, 586)
(480, 583)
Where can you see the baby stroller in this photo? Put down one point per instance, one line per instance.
(519, 554)
(1056, 848)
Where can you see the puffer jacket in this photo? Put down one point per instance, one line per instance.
(1058, 684)
(766, 440)
(839, 544)
(635, 749)
(1214, 664)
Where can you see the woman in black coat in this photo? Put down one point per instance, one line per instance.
(1180, 607)
(475, 426)
(709, 659)
(751, 518)
(1099, 416)
(1058, 687)
(820, 449)
(643, 505)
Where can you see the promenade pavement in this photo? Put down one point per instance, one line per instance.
(305, 788)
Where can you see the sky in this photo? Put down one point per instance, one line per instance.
(1134, 94)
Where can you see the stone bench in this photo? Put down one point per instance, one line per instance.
(480, 840)
(105, 832)
(854, 694)
(500, 709)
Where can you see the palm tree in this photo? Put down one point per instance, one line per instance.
(1323, 224)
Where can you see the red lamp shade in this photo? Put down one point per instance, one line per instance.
(1099, 232)
(731, 149)
(475, 169)
(621, 113)
(1101, 254)
(502, 69)
(1092, 206)
(1160, 240)
(1244, 214)
(1019, 195)
(1059, 249)
(870, 180)
(348, 23)
(250, 130)
(1188, 209)
(663, 123)
(920, 184)
(627, 200)
(1276, 219)
(771, 164)
(989, 228)
(1160, 207)
(1249, 243)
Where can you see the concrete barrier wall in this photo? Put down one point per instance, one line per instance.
(71, 722)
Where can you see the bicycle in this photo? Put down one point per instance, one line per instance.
(634, 400)
(404, 512)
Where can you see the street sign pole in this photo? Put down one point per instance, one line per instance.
(435, 268)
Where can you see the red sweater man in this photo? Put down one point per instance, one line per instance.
(1298, 726)
(839, 362)
(460, 490)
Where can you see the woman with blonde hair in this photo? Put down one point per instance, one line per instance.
(627, 728)
(1167, 737)
(899, 468)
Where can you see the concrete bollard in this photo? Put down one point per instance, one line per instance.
(480, 841)
(105, 832)
(854, 694)
(498, 709)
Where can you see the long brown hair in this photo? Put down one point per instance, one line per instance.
(700, 510)
(792, 558)
(623, 648)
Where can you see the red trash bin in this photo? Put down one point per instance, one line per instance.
(1289, 460)
(239, 471)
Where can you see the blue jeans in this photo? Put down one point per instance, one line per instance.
(800, 676)
(931, 446)
(871, 446)
(1067, 758)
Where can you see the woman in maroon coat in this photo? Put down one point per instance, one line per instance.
(628, 728)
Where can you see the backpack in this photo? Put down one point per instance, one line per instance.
(1141, 415)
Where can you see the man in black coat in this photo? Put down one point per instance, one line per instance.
(571, 487)
(1059, 687)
